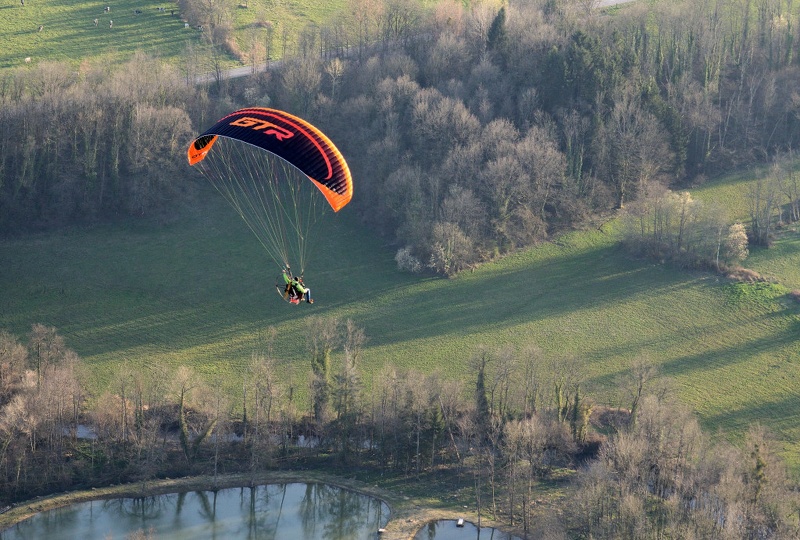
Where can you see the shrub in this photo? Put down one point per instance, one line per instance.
(745, 275)
(406, 262)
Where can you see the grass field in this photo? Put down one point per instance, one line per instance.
(780, 262)
(69, 34)
(296, 15)
(200, 292)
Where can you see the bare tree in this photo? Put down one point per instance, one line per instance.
(438, 124)
(762, 198)
(479, 20)
(307, 43)
(448, 58)
(366, 16)
(218, 408)
(13, 358)
(335, 70)
(533, 385)
(269, 38)
(323, 339)
(46, 348)
(302, 81)
(254, 49)
(266, 392)
(638, 382)
(783, 168)
(513, 445)
(400, 18)
(464, 209)
(346, 388)
(451, 250)
(184, 382)
(631, 150)
(416, 407)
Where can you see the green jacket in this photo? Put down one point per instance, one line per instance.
(294, 283)
(298, 287)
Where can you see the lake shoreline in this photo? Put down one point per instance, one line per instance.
(406, 516)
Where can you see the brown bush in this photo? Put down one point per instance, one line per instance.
(608, 419)
(745, 275)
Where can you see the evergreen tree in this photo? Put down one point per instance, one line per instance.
(496, 37)
(482, 413)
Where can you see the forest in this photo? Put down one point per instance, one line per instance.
(471, 131)
(516, 422)
(526, 422)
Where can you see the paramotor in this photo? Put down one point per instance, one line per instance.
(278, 172)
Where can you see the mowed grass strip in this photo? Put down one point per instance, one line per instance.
(200, 292)
(69, 35)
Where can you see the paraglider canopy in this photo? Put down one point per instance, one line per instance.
(290, 138)
(261, 161)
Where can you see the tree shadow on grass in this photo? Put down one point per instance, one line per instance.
(781, 416)
(733, 353)
(542, 290)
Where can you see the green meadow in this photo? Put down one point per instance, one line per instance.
(69, 34)
(296, 15)
(199, 291)
(781, 262)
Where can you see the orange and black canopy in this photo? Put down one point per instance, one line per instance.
(290, 138)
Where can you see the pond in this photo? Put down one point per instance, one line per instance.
(448, 529)
(295, 510)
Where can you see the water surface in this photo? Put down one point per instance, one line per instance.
(447, 529)
(296, 510)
